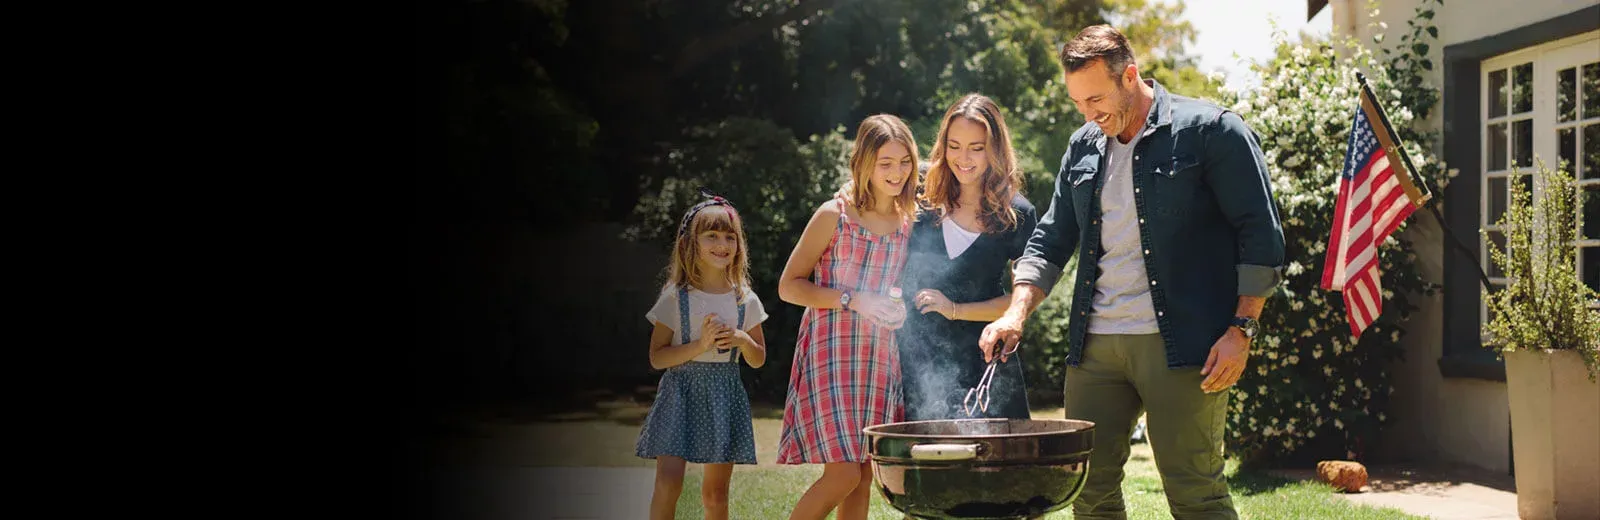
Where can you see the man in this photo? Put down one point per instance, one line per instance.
(1166, 201)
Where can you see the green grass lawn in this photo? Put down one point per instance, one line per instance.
(604, 436)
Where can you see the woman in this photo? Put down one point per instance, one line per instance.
(974, 223)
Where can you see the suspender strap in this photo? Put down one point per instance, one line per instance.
(738, 302)
(683, 316)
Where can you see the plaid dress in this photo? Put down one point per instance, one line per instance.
(846, 373)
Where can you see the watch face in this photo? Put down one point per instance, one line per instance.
(1248, 326)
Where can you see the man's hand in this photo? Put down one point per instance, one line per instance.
(1000, 337)
(1226, 362)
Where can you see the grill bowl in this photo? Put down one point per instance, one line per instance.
(980, 468)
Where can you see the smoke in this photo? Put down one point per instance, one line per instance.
(939, 392)
(942, 387)
(941, 383)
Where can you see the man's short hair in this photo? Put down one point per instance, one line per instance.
(1097, 42)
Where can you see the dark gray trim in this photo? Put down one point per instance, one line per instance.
(1461, 366)
(1313, 7)
(1464, 353)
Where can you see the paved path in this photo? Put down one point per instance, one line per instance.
(1442, 493)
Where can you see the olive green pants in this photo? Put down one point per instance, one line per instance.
(1122, 375)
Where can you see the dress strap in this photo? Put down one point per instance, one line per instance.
(843, 214)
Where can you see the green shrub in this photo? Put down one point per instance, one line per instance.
(1311, 390)
(776, 183)
(1546, 305)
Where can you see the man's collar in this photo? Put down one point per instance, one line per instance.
(1160, 108)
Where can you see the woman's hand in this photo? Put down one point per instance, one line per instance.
(931, 300)
(879, 309)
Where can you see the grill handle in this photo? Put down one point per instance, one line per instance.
(944, 451)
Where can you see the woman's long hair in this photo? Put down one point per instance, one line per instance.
(1000, 182)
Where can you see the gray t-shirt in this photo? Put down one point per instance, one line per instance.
(1122, 302)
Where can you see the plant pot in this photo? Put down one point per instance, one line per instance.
(1555, 432)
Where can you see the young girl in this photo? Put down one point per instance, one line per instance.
(846, 373)
(706, 318)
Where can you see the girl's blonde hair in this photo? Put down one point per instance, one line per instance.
(684, 271)
(874, 132)
(999, 182)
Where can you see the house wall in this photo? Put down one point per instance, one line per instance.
(1458, 21)
(1437, 418)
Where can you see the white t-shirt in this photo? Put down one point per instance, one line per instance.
(956, 238)
(1122, 300)
(701, 303)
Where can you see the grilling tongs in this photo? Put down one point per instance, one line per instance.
(978, 397)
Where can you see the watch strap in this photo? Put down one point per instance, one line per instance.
(1246, 324)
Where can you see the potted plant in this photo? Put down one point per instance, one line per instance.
(1544, 325)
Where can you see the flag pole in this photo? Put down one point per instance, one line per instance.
(1432, 208)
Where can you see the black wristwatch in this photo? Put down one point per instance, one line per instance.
(1249, 326)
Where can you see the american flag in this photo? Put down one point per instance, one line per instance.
(1376, 194)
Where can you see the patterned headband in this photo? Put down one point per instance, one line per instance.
(711, 200)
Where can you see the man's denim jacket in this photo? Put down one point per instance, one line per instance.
(1207, 224)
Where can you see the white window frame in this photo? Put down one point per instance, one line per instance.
(1547, 60)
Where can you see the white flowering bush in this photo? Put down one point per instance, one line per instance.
(1312, 391)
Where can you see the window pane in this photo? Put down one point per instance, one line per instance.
(1567, 147)
(1591, 90)
(1522, 142)
(1567, 95)
(1527, 185)
(1591, 211)
(1591, 266)
(1591, 151)
(1497, 92)
(1497, 147)
(1497, 200)
(1522, 88)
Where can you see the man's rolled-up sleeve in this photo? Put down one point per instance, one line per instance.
(1237, 171)
(1054, 239)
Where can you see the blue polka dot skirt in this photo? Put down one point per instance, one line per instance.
(702, 414)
